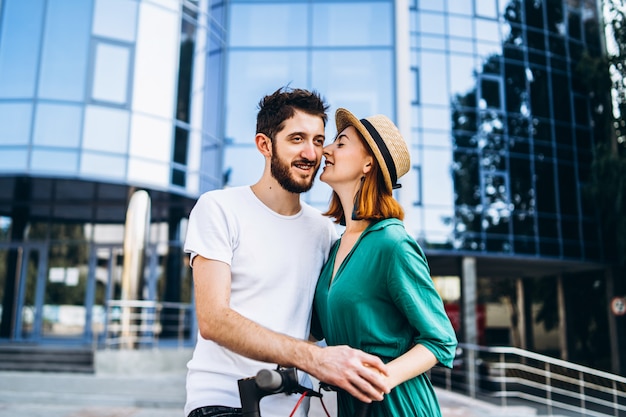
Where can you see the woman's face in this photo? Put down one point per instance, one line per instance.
(346, 159)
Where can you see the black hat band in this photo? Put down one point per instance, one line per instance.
(382, 146)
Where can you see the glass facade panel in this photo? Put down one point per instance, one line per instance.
(464, 7)
(15, 123)
(342, 75)
(57, 161)
(148, 172)
(435, 118)
(487, 30)
(432, 23)
(151, 138)
(436, 5)
(115, 19)
(13, 159)
(436, 187)
(111, 70)
(430, 42)
(433, 76)
(487, 8)
(269, 25)
(20, 40)
(437, 227)
(156, 53)
(65, 50)
(460, 27)
(462, 78)
(351, 24)
(102, 165)
(57, 125)
(106, 129)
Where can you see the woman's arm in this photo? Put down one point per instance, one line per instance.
(414, 362)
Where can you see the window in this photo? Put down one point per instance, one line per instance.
(111, 73)
(20, 36)
(65, 49)
(57, 125)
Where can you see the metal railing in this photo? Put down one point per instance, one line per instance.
(507, 374)
(136, 324)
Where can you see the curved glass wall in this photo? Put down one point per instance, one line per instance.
(502, 128)
(97, 99)
(111, 90)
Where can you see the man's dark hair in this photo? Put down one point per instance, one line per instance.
(281, 105)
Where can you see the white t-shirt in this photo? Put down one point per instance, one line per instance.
(275, 262)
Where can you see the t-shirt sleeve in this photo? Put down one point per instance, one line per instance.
(414, 293)
(209, 232)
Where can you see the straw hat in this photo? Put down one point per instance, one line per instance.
(385, 141)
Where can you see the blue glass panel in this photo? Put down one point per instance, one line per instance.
(432, 84)
(54, 161)
(460, 27)
(268, 25)
(460, 7)
(251, 76)
(487, 8)
(57, 125)
(361, 81)
(110, 78)
(106, 129)
(431, 23)
(13, 160)
(65, 49)
(102, 165)
(15, 122)
(116, 19)
(20, 35)
(352, 24)
(436, 5)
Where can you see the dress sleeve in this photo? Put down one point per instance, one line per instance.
(413, 292)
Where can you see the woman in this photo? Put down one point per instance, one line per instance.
(375, 292)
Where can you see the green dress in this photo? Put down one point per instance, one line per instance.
(383, 301)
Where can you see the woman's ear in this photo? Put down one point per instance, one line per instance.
(368, 165)
(263, 144)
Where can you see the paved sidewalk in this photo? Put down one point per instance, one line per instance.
(34, 394)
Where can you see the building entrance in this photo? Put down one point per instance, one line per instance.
(56, 296)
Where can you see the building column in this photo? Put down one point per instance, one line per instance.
(560, 295)
(521, 317)
(469, 319)
(136, 236)
(20, 213)
(617, 325)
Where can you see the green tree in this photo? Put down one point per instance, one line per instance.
(606, 79)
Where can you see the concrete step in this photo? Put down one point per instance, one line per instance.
(46, 359)
(153, 391)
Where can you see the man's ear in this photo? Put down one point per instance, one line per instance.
(263, 144)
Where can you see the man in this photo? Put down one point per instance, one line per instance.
(256, 253)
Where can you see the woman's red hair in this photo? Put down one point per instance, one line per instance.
(373, 202)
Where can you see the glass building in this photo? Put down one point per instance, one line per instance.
(100, 98)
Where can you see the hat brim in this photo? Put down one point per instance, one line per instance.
(343, 119)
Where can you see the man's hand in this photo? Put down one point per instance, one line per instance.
(358, 373)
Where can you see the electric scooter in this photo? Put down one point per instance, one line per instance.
(285, 381)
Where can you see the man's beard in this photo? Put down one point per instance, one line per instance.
(281, 172)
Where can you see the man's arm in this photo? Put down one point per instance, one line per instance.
(357, 372)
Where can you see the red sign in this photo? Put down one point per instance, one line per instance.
(618, 306)
(454, 314)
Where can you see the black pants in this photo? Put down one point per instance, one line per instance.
(215, 411)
